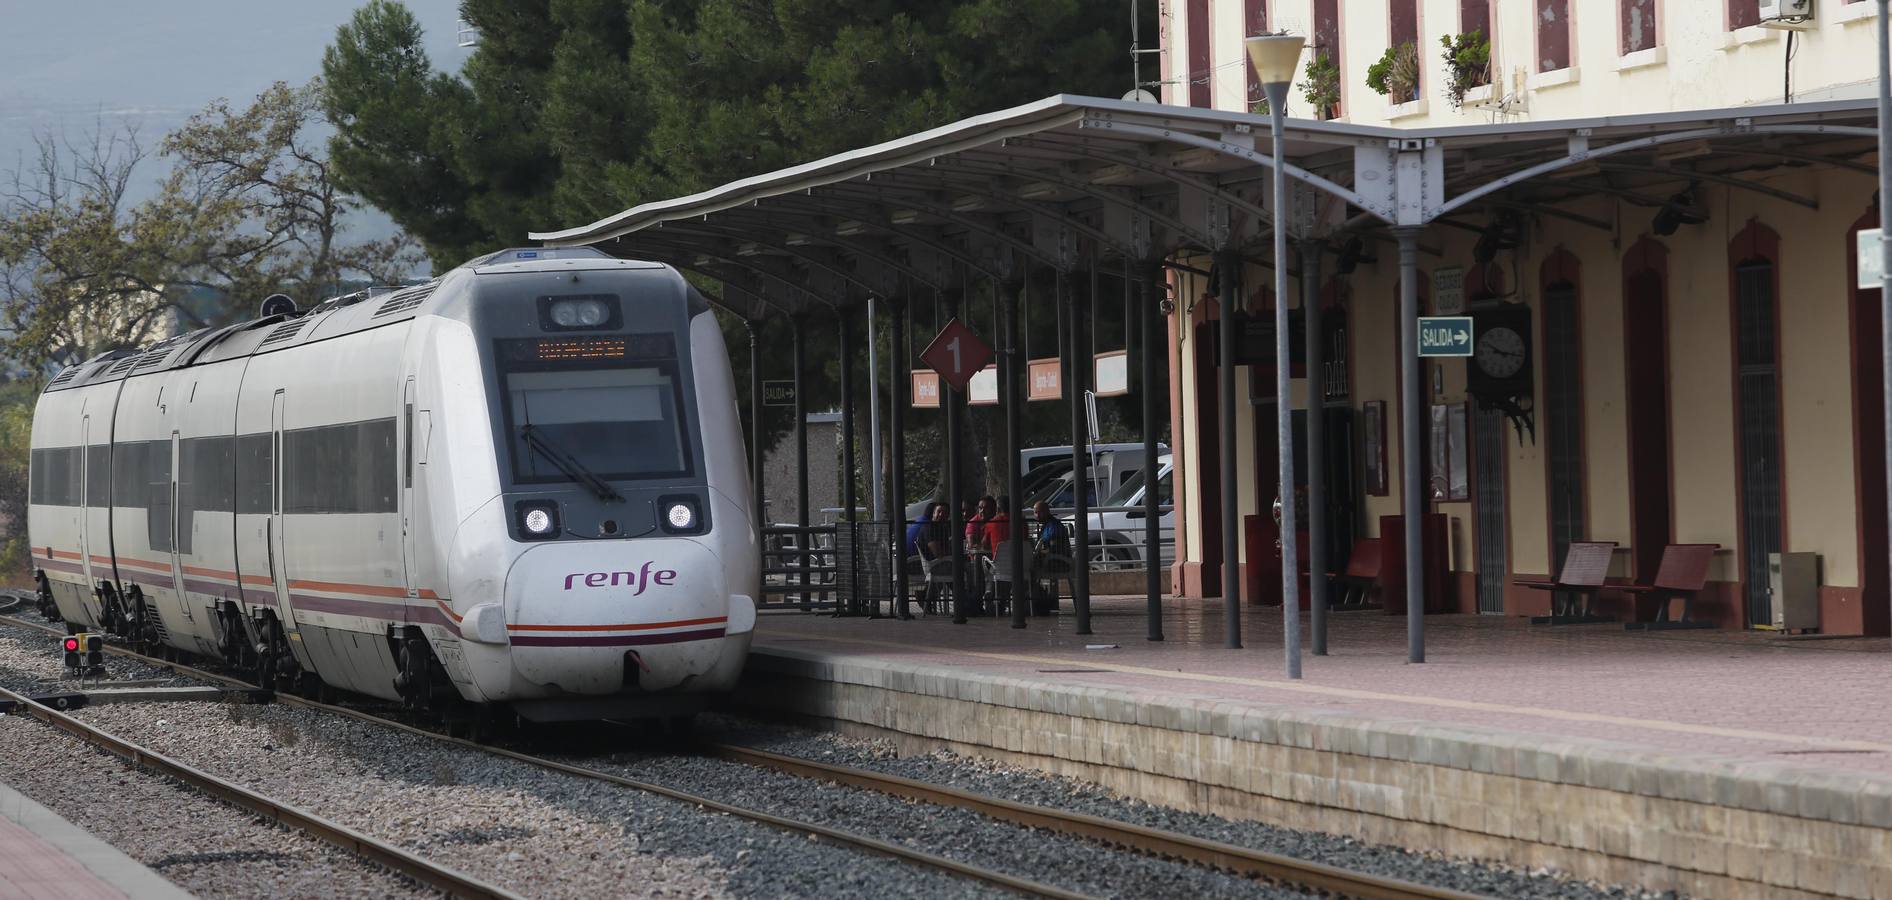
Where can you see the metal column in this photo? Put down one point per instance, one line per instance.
(873, 417)
(1412, 506)
(1284, 410)
(758, 431)
(1229, 272)
(897, 456)
(953, 398)
(1080, 459)
(1013, 384)
(1879, 26)
(848, 498)
(1154, 337)
(799, 321)
(1317, 586)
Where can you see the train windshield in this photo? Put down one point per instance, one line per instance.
(586, 416)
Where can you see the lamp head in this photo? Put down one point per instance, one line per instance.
(1275, 56)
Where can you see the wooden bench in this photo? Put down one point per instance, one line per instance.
(1586, 566)
(1363, 572)
(1683, 573)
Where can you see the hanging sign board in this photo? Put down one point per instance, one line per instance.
(1871, 260)
(956, 354)
(1047, 379)
(778, 393)
(1448, 290)
(926, 389)
(1445, 335)
(1111, 374)
(983, 390)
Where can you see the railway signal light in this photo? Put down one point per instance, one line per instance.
(72, 645)
(94, 652)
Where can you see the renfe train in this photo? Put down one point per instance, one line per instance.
(522, 483)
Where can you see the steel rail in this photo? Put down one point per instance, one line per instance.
(832, 835)
(434, 875)
(1228, 857)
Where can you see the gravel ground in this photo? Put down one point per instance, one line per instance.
(1026, 786)
(1054, 859)
(199, 844)
(32, 662)
(536, 832)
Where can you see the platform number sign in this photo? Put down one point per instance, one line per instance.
(1445, 335)
(957, 354)
(778, 393)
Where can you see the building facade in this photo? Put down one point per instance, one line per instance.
(1699, 367)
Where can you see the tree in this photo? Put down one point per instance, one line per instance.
(570, 110)
(248, 208)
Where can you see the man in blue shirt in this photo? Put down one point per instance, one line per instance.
(917, 532)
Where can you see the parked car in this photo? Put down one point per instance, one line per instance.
(1111, 464)
(1117, 532)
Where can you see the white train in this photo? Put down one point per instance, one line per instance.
(522, 483)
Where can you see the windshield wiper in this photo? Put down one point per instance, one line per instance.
(568, 464)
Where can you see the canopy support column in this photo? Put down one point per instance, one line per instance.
(1154, 280)
(800, 321)
(1076, 363)
(758, 430)
(848, 498)
(1412, 505)
(953, 398)
(1229, 273)
(1013, 384)
(897, 455)
(1317, 586)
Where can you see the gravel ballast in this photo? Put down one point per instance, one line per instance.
(201, 845)
(1027, 786)
(519, 826)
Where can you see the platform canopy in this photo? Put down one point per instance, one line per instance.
(1067, 178)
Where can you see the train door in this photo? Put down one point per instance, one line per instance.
(408, 563)
(180, 538)
(278, 570)
(85, 502)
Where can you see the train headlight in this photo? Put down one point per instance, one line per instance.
(538, 520)
(578, 312)
(680, 515)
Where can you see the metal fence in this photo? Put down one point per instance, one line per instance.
(798, 567)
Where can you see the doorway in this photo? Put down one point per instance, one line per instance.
(1758, 417)
(1488, 526)
(1646, 352)
(1563, 419)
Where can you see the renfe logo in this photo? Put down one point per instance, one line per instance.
(640, 579)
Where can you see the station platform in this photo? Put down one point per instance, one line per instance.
(1713, 763)
(43, 857)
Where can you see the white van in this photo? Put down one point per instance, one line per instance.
(1117, 535)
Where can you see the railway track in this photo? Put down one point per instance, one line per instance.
(1247, 862)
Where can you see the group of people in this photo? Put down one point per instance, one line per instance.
(988, 526)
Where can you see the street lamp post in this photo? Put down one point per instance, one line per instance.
(1275, 57)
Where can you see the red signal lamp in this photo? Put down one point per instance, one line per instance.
(72, 645)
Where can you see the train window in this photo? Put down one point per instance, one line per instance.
(128, 474)
(55, 476)
(620, 423)
(98, 475)
(158, 494)
(205, 479)
(347, 468)
(255, 477)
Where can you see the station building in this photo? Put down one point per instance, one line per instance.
(1701, 368)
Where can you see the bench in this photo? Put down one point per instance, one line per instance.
(1683, 573)
(1586, 566)
(1363, 572)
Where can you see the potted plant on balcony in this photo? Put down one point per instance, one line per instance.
(1396, 75)
(1467, 64)
(1321, 86)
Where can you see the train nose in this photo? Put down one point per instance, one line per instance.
(577, 614)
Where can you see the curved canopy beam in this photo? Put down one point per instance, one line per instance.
(1048, 213)
(907, 232)
(1236, 150)
(1159, 170)
(1087, 189)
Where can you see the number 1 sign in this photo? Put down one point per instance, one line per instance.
(956, 354)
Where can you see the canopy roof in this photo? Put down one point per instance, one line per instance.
(1068, 177)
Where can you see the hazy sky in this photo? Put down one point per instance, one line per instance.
(70, 63)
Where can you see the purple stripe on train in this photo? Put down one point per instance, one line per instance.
(615, 640)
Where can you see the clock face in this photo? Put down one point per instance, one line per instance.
(1500, 352)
